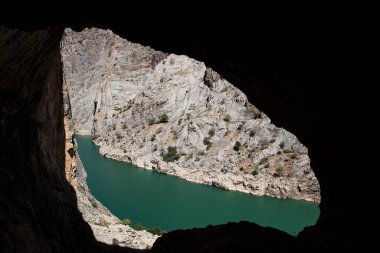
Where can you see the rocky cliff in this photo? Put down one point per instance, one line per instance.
(173, 114)
(106, 227)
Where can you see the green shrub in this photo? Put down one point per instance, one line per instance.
(227, 118)
(151, 121)
(130, 103)
(279, 171)
(163, 118)
(126, 221)
(93, 202)
(206, 140)
(138, 226)
(257, 115)
(171, 155)
(237, 146)
(241, 126)
(156, 231)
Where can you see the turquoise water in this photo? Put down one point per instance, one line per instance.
(156, 199)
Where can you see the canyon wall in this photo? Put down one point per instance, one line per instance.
(137, 102)
(106, 227)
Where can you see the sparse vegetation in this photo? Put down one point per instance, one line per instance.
(163, 118)
(151, 121)
(201, 153)
(254, 172)
(264, 160)
(156, 231)
(272, 140)
(126, 221)
(130, 103)
(93, 202)
(171, 155)
(227, 133)
(138, 226)
(237, 146)
(279, 171)
(180, 121)
(293, 156)
(207, 142)
(251, 133)
(257, 115)
(153, 138)
(227, 118)
(118, 135)
(102, 223)
(241, 126)
(211, 132)
(282, 145)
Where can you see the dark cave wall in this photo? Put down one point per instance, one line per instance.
(38, 210)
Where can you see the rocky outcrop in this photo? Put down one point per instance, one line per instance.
(136, 102)
(106, 227)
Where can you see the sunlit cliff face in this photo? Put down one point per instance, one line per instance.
(136, 102)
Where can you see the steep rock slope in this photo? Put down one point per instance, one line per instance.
(106, 227)
(136, 102)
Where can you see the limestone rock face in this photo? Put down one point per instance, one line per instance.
(106, 227)
(136, 102)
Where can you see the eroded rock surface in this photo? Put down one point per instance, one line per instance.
(136, 102)
(106, 227)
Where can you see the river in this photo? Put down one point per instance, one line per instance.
(156, 199)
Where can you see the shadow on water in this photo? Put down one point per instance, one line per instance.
(156, 199)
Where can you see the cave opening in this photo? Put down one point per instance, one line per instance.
(36, 220)
(111, 87)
